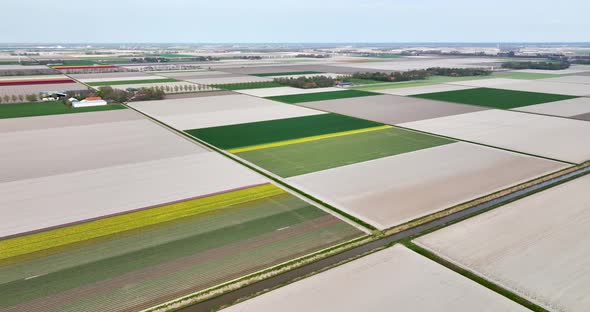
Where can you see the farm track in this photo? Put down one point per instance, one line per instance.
(281, 279)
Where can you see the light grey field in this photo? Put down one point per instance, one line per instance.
(535, 246)
(390, 191)
(539, 85)
(204, 112)
(423, 89)
(553, 137)
(394, 279)
(392, 109)
(33, 204)
(110, 75)
(565, 108)
(58, 150)
(570, 79)
(35, 89)
(229, 79)
(265, 92)
(67, 120)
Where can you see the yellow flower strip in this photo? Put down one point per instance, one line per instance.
(80, 232)
(307, 139)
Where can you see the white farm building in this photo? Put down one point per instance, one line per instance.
(87, 102)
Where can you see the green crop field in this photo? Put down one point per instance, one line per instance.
(320, 96)
(287, 73)
(494, 98)
(262, 132)
(48, 108)
(302, 158)
(126, 82)
(247, 85)
(136, 269)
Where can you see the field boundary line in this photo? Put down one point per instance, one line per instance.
(378, 241)
(306, 139)
(487, 283)
(336, 212)
(254, 277)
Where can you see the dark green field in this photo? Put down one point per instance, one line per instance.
(287, 73)
(247, 85)
(296, 159)
(320, 96)
(48, 108)
(261, 132)
(126, 82)
(494, 98)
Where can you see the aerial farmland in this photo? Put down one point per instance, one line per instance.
(266, 178)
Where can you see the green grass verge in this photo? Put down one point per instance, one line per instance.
(476, 278)
(301, 158)
(126, 82)
(248, 134)
(494, 98)
(357, 81)
(525, 76)
(247, 85)
(48, 108)
(287, 73)
(320, 96)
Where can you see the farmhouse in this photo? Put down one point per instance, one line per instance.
(90, 101)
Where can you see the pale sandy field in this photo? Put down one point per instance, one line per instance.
(34, 77)
(35, 89)
(151, 85)
(331, 75)
(570, 79)
(265, 92)
(227, 80)
(110, 76)
(543, 86)
(536, 246)
(67, 120)
(394, 279)
(486, 83)
(574, 69)
(405, 64)
(392, 190)
(51, 151)
(33, 204)
(565, 108)
(204, 112)
(553, 137)
(103, 79)
(392, 109)
(423, 89)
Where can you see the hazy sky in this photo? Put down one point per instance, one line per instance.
(71, 21)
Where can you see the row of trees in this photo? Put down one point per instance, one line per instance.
(537, 65)
(393, 76)
(20, 98)
(458, 72)
(307, 82)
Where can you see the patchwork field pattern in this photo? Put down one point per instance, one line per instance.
(542, 259)
(145, 261)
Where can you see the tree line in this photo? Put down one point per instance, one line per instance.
(537, 65)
